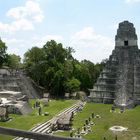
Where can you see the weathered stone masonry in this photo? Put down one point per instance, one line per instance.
(119, 82)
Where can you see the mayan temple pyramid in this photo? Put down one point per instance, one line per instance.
(119, 82)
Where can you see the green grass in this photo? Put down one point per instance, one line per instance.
(26, 122)
(130, 119)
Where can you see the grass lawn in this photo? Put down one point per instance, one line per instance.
(129, 119)
(26, 122)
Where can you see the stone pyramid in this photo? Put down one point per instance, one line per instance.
(119, 82)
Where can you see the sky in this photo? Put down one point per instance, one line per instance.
(88, 26)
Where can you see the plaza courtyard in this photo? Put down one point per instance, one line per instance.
(100, 130)
(129, 119)
(26, 122)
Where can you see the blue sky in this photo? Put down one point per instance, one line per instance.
(89, 26)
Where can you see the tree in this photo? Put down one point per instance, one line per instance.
(72, 85)
(55, 57)
(3, 54)
(81, 72)
(13, 61)
(69, 52)
(54, 53)
(54, 68)
(98, 69)
(89, 74)
(35, 64)
(46, 66)
(33, 56)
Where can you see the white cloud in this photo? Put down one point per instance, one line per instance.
(31, 10)
(24, 17)
(132, 1)
(90, 45)
(21, 24)
(12, 41)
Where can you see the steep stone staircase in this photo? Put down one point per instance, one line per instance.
(27, 87)
(21, 83)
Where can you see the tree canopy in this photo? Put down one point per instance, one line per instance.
(13, 61)
(54, 68)
(3, 54)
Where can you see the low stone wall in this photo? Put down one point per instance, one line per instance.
(31, 135)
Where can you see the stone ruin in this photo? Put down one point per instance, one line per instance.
(119, 82)
(15, 90)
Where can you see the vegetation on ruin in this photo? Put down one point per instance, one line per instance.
(26, 122)
(130, 119)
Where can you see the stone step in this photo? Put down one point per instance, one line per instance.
(45, 127)
(42, 128)
(45, 130)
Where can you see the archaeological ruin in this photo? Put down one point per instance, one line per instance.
(119, 82)
(15, 90)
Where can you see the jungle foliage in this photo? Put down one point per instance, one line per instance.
(54, 68)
